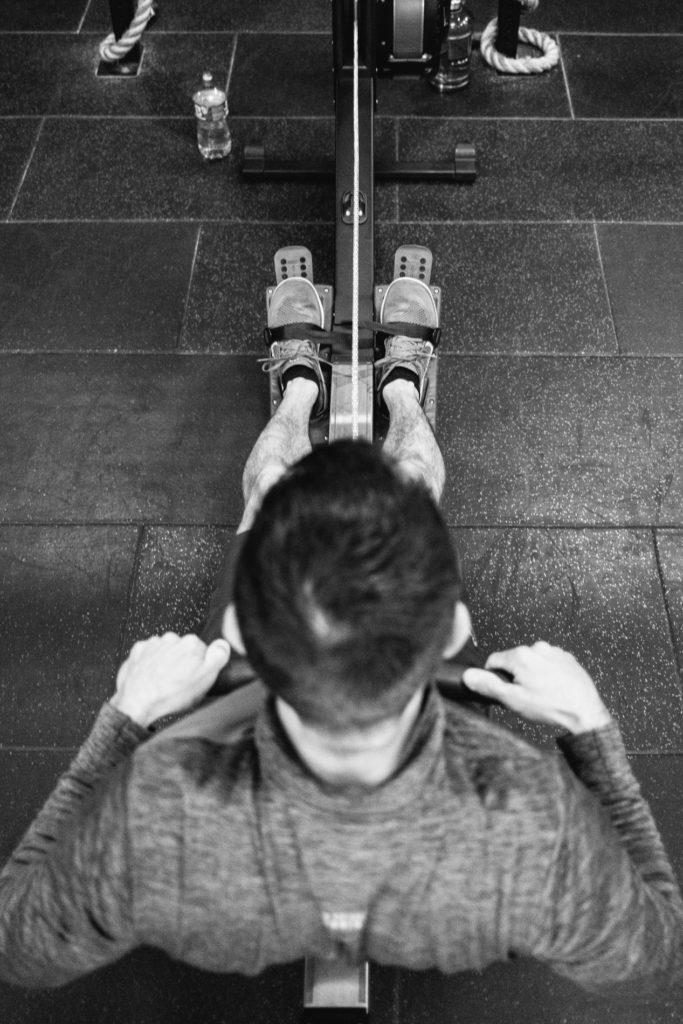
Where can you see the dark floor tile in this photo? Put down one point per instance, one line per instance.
(101, 169)
(299, 80)
(643, 266)
(64, 599)
(507, 289)
(219, 16)
(670, 549)
(17, 137)
(661, 780)
(27, 777)
(607, 16)
(561, 441)
(57, 74)
(93, 438)
(176, 571)
(94, 286)
(519, 992)
(148, 987)
(226, 309)
(595, 593)
(42, 15)
(624, 76)
(512, 288)
(548, 170)
(488, 94)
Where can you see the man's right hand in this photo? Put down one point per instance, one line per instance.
(548, 685)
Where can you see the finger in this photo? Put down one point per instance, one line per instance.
(217, 655)
(486, 684)
(510, 661)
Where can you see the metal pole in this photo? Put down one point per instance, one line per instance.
(509, 14)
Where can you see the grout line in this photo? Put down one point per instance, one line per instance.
(232, 64)
(132, 587)
(604, 283)
(667, 608)
(25, 172)
(488, 354)
(566, 81)
(85, 15)
(12, 748)
(153, 524)
(328, 223)
(179, 345)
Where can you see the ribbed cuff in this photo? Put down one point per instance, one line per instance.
(597, 757)
(112, 738)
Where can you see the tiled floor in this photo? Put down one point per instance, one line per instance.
(131, 306)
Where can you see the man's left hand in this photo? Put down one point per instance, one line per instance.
(167, 674)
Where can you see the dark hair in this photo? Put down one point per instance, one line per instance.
(345, 587)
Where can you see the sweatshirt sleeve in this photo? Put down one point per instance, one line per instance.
(615, 915)
(65, 893)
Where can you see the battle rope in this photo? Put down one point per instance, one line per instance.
(112, 49)
(356, 234)
(550, 53)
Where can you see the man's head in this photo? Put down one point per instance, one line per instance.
(346, 587)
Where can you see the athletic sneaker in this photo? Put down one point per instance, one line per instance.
(410, 302)
(296, 302)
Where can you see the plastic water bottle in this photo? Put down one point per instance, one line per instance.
(453, 71)
(211, 111)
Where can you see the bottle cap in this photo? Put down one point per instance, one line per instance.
(207, 79)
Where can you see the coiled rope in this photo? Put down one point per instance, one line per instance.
(550, 53)
(112, 49)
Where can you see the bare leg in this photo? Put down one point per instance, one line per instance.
(410, 438)
(283, 442)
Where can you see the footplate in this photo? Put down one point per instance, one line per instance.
(297, 261)
(413, 261)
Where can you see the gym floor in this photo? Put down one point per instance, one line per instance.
(132, 280)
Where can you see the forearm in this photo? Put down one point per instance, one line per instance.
(113, 737)
(46, 906)
(598, 758)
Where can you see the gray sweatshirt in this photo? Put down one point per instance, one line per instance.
(213, 841)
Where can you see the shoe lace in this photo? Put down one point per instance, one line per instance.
(299, 350)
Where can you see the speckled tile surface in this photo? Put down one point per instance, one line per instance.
(176, 571)
(219, 16)
(519, 992)
(487, 95)
(548, 170)
(64, 600)
(120, 287)
(596, 593)
(17, 137)
(57, 75)
(624, 76)
(670, 550)
(226, 309)
(150, 988)
(101, 169)
(122, 438)
(561, 441)
(607, 16)
(643, 266)
(42, 15)
(512, 288)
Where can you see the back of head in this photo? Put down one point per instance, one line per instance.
(345, 587)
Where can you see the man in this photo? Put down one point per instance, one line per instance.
(352, 807)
